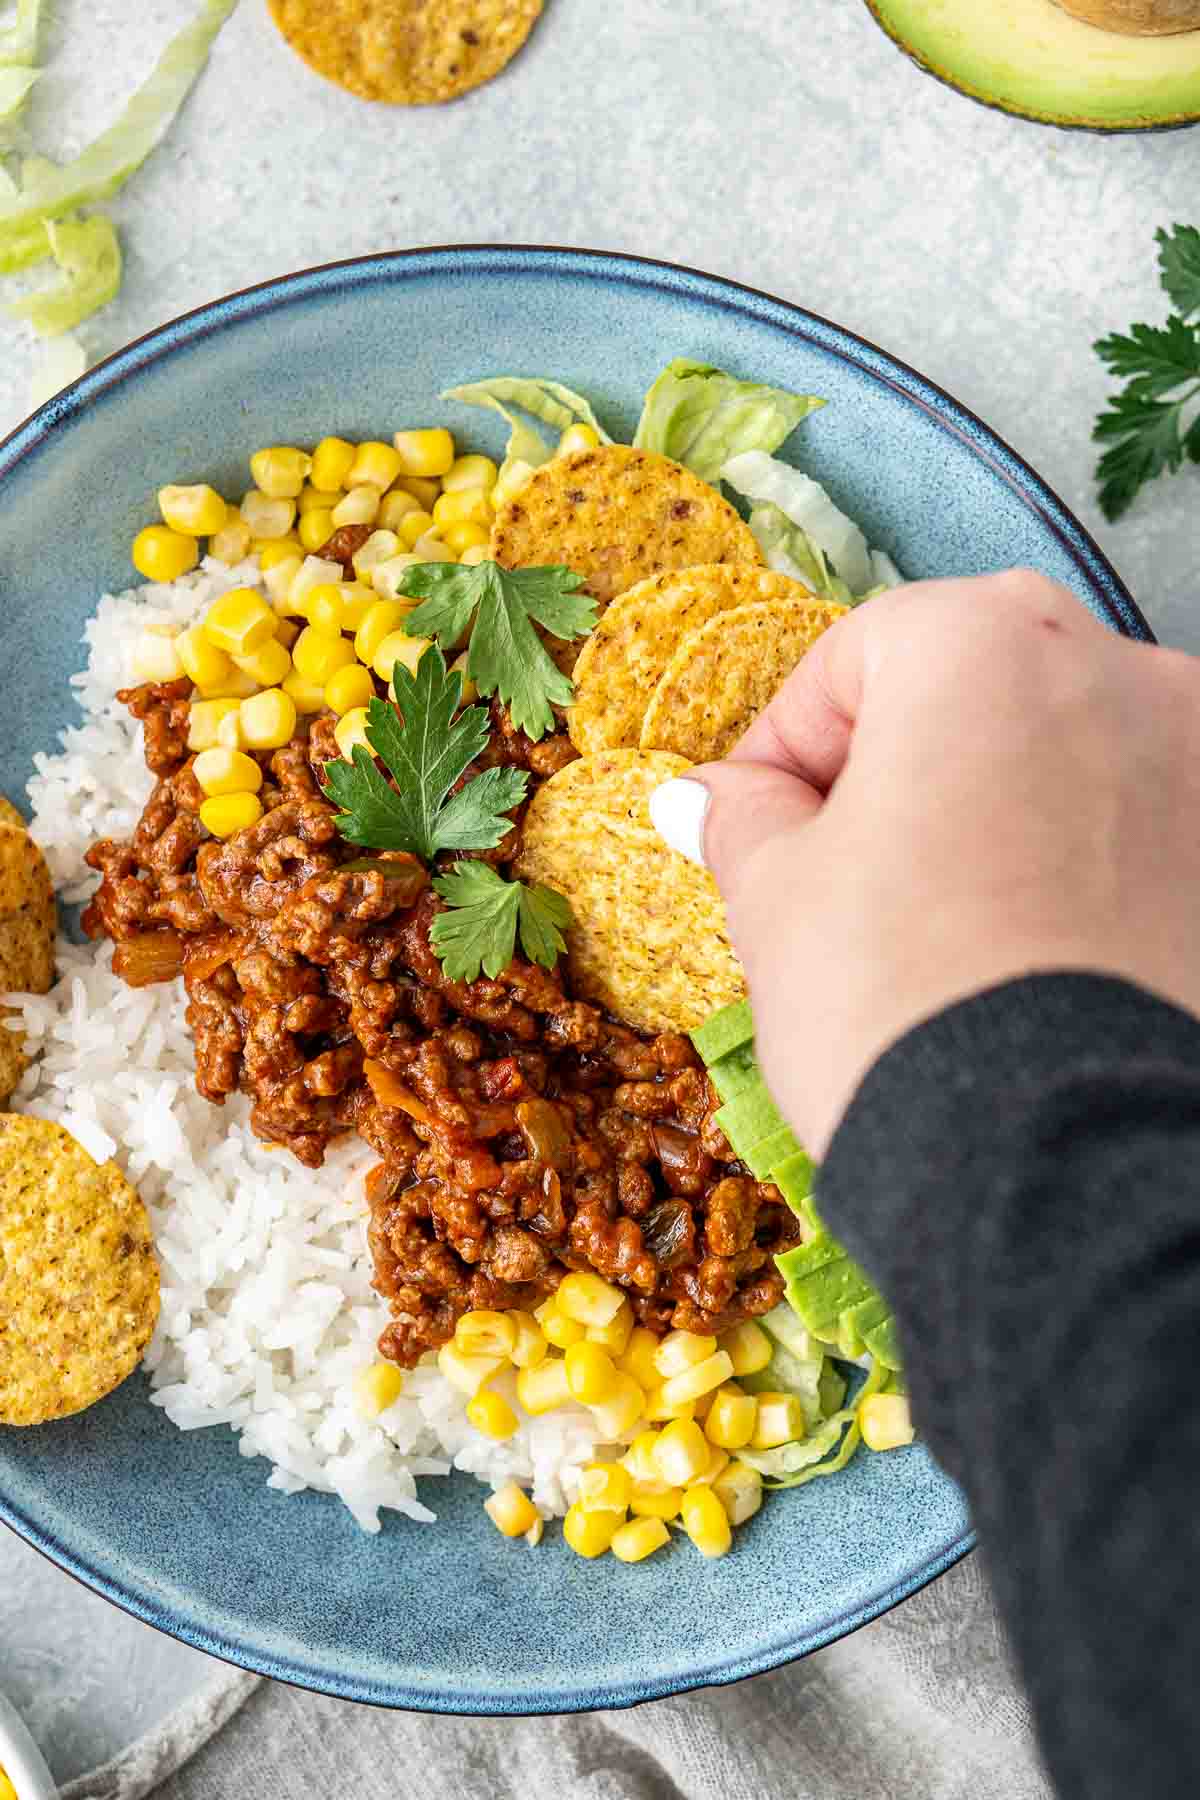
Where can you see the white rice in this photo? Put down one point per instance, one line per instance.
(267, 1308)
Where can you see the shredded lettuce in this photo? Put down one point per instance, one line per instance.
(790, 551)
(548, 401)
(88, 253)
(768, 482)
(796, 1366)
(18, 41)
(63, 361)
(118, 153)
(824, 1451)
(14, 90)
(701, 416)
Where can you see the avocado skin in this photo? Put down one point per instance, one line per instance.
(1011, 106)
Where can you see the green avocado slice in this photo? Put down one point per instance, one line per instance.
(1032, 58)
(794, 1178)
(762, 1157)
(730, 1029)
(734, 1073)
(749, 1117)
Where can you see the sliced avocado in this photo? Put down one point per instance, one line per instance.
(782, 1324)
(749, 1117)
(794, 1179)
(1032, 58)
(831, 1390)
(822, 1283)
(734, 1073)
(883, 1343)
(762, 1157)
(730, 1029)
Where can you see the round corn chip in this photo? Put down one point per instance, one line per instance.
(78, 1278)
(622, 661)
(648, 940)
(26, 938)
(408, 52)
(724, 674)
(616, 516)
(9, 814)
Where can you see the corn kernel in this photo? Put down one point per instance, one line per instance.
(232, 543)
(706, 1521)
(349, 688)
(360, 506)
(267, 518)
(229, 731)
(578, 437)
(529, 1346)
(308, 696)
(239, 622)
(227, 772)
(350, 730)
(315, 499)
(718, 1462)
(398, 647)
(591, 1372)
(681, 1453)
(278, 579)
(315, 572)
(280, 550)
(885, 1422)
(375, 464)
(195, 511)
(376, 1387)
(388, 578)
(325, 607)
(731, 1418)
(478, 553)
(543, 1388)
(637, 1358)
(202, 662)
(423, 491)
(740, 1490)
(483, 1333)
(747, 1346)
(460, 538)
(780, 1418)
(431, 548)
(511, 1511)
(226, 814)
(655, 1502)
(161, 554)
(383, 617)
(512, 478)
(470, 472)
(532, 1537)
(492, 1415)
(413, 526)
(315, 529)
(380, 547)
(286, 632)
(467, 1373)
(638, 1539)
(281, 471)
(268, 664)
(604, 1487)
(700, 1379)
(639, 1460)
(556, 1327)
(590, 1533)
(268, 720)
(317, 655)
(237, 685)
(357, 601)
(681, 1350)
(469, 691)
(424, 453)
(588, 1298)
(396, 505)
(659, 1410)
(622, 1410)
(156, 657)
(331, 463)
(616, 1334)
(204, 721)
(469, 506)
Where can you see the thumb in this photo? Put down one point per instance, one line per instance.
(731, 817)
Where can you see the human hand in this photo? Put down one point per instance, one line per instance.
(962, 782)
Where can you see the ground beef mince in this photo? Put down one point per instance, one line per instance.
(520, 1131)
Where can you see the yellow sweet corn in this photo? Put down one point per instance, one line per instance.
(467, 1373)
(280, 550)
(227, 772)
(376, 1387)
(267, 665)
(616, 1334)
(286, 632)
(491, 1414)
(359, 506)
(376, 465)
(706, 1521)
(279, 578)
(556, 1327)
(229, 731)
(542, 1388)
(886, 1422)
(398, 647)
(351, 729)
(431, 548)
(638, 1357)
(459, 538)
(156, 656)
(232, 543)
(718, 1462)
(315, 571)
(588, 1298)
(266, 517)
(424, 453)
(237, 685)
(380, 547)
(267, 721)
(604, 1487)
(513, 477)
(466, 506)
(315, 529)
(639, 1460)
(331, 463)
(315, 499)
(226, 814)
(396, 505)
(349, 688)
(325, 607)
(780, 1418)
(747, 1346)
(532, 1537)
(203, 663)
(195, 511)
(591, 1373)
(529, 1346)
(469, 691)
(658, 1409)
(161, 554)
(470, 472)
(655, 1501)
(388, 578)
(483, 1333)
(281, 471)
(318, 656)
(731, 1418)
(739, 1489)
(204, 722)
(681, 1350)
(384, 617)
(590, 1533)
(511, 1511)
(700, 1378)
(414, 526)
(239, 622)
(626, 1404)
(578, 437)
(681, 1453)
(639, 1538)
(309, 696)
(478, 553)
(423, 491)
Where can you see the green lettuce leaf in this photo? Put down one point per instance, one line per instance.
(88, 253)
(824, 1451)
(14, 90)
(63, 361)
(18, 41)
(701, 416)
(765, 481)
(790, 551)
(119, 152)
(555, 405)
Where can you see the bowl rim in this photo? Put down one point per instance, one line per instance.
(775, 1649)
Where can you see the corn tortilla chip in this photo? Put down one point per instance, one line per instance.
(9, 814)
(407, 52)
(78, 1278)
(623, 660)
(724, 674)
(649, 940)
(616, 516)
(26, 939)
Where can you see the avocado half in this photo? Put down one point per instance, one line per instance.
(1031, 58)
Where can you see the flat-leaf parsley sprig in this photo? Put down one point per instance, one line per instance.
(505, 655)
(427, 745)
(1152, 425)
(479, 933)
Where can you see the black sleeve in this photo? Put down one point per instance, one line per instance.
(1021, 1175)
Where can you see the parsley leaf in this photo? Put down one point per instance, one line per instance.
(505, 656)
(480, 930)
(1151, 426)
(427, 744)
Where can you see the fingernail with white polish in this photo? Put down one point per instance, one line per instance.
(677, 811)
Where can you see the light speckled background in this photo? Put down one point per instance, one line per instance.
(783, 143)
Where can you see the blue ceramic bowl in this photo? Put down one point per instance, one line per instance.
(178, 1528)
